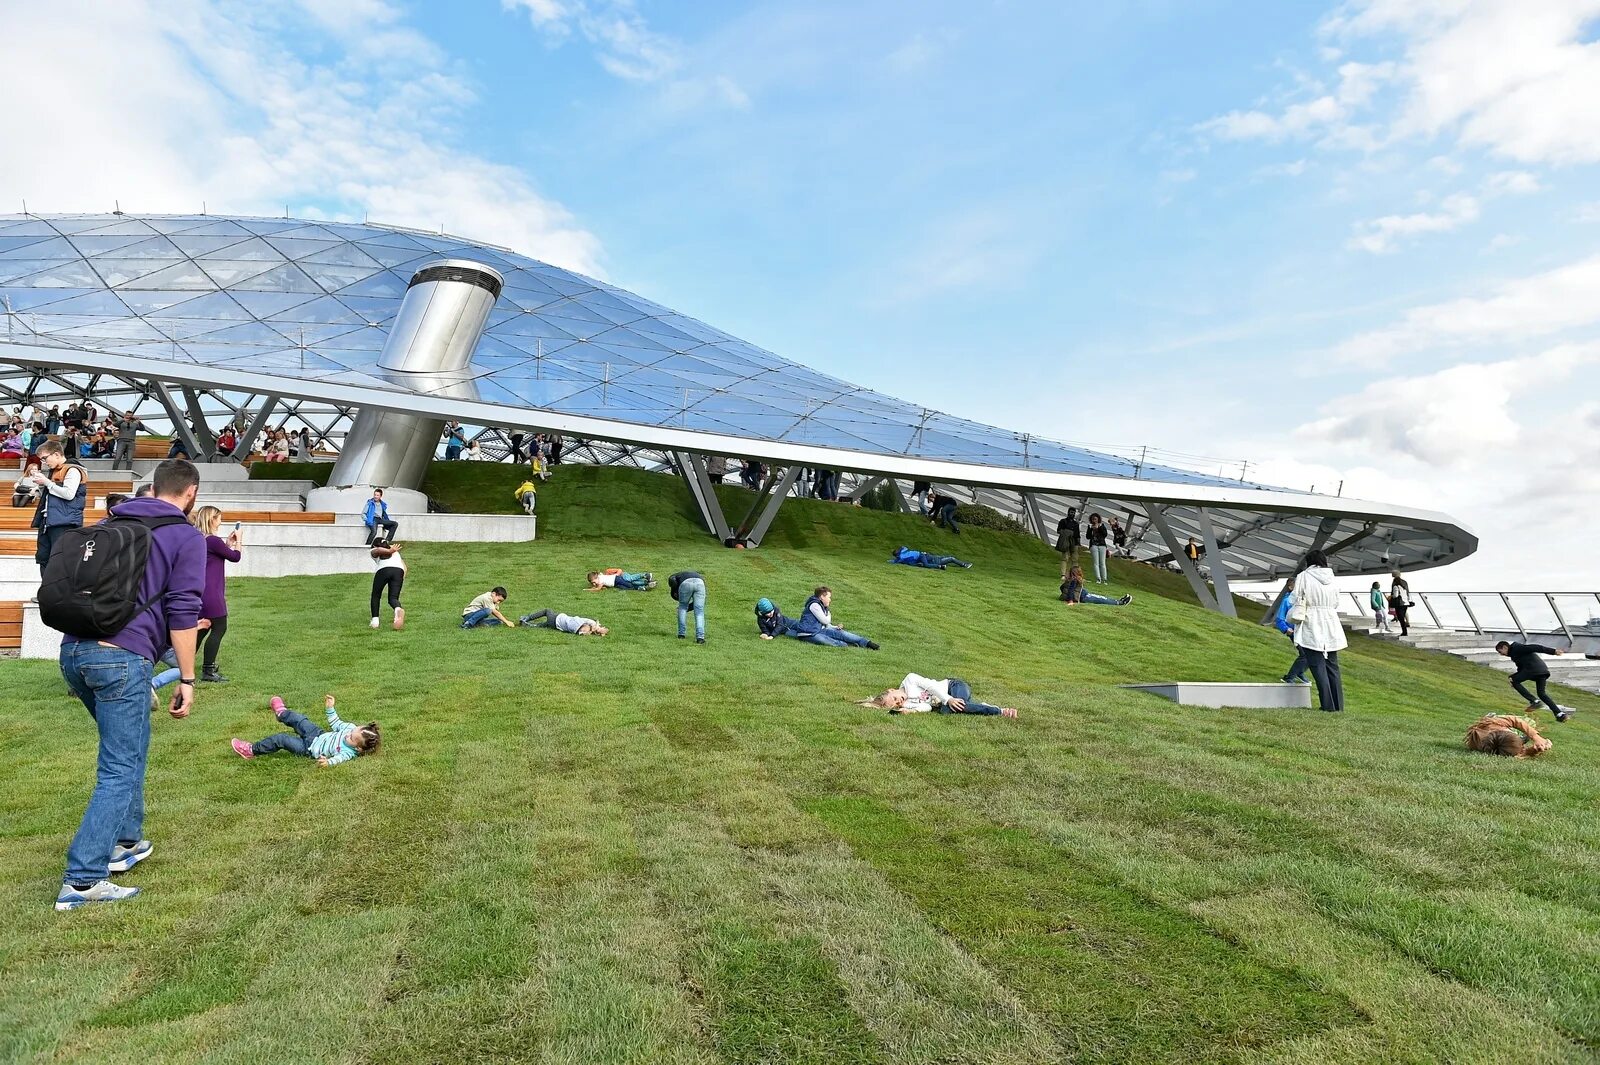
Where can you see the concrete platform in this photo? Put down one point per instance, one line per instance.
(1218, 695)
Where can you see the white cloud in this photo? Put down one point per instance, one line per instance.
(922, 50)
(982, 248)
(1325, 117)
(625, 44)
(176, 104)
(1587, 212)
(1454, 417)
(1516, 311)
(1511, 183)
(1382, 235)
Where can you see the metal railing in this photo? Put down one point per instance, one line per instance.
(1574, 615)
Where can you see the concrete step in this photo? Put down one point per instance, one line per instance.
(143, 468)
(1217, 696)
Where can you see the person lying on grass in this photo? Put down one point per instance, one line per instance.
(1507, 735)
(906, 556)
(549, 619)
(772, 623)
(622, 582)
(339, 742)
(485, 610)
(919, 695)
(1073, 592)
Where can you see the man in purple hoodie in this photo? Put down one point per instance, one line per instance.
(112, 679)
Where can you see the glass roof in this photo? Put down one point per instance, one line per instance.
(314, 300)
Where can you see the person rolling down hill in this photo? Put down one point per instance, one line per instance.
(549, 619)
(599, 581)
(772, 623)
(919, 695)
(905, 556)
(339, 742)
(1531, 667)
(1507, 735)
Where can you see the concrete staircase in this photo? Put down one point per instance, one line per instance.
(1571, 669)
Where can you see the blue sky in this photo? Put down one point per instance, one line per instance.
(1342, 240)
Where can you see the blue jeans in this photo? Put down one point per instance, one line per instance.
(1098, 553)
(168, 675)
(692, 593)
(947, 516)
(1297, 672)
(960, 689)
(1098, 600)
(296, 742)
(478, 617)
(114, 685)
(452, 453)
(836, 637)
(632, 582)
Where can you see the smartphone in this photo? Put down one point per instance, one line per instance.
(236, 525)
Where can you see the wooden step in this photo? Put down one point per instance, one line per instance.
(10, 626)
(17, 539)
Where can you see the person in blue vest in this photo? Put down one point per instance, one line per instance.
(1280, 621)
(376, 517)
(905, 556)
(63, 489)
(772, 623)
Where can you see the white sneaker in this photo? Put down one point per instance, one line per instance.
(71, 898)
(125, 858)
(399, 618)
(374, 624)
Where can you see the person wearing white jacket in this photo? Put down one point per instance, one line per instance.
(1317, 630)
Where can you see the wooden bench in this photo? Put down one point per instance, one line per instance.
(10, 626)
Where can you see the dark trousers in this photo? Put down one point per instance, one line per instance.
(539, 618)
(1539, 681)
(1325, 672)
(960, 689)
(947, 516)
(47, 542)
(1400, 616)
(211, 643)
(516, 447)
(1298, 670)
(389, 529)
(296, 742)
(390, 578)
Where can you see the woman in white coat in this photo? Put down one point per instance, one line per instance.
(1317, 629)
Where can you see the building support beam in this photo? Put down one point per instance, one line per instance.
(768, 501)
(693, 468)
(900, 495)
(1324, 530)
(1158, 518)
(868, 485)
(197, 420)
(247, 439)
(180, 427)
(1219, 572)
(1040, 529)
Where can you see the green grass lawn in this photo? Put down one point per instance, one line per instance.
(636, 849)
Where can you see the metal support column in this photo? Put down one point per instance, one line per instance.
(1325, 529)
(247, 439)
(868, 485)
(1040, 530)
(704, 492)
(900, 495)
(1158, 518)
(1219, 572)
(180, 427)
(1506, 599)
(197, 420)
(1559, 619)
(776, 491)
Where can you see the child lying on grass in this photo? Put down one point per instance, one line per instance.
(1507, 735)
(339, 742)
(622, 582)
(918, 695)
(572, 623)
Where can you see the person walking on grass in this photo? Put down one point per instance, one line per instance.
(338, 743)
(111, 676)
(376, 518)
(1074, 593)
(919, 695)
(1099, 539)
(1281, 622)
(214, 599)
(688, 590)
(387, 579)
(1317, 629)
(485, 609)
(1506, 735)
(1380, 607)
(572, 623)
(1069, 536)
(63, 489)
(1525, 656)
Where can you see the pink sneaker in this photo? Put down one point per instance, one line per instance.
(399, 618)
(276, 702)
(242, 749)
(1008, 711)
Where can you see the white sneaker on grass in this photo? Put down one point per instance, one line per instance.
(125, 858)
(71, 898)
(374, 624)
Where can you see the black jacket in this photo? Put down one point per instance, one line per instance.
(677, 579)
(1097, 535)
(1526, 658)
(1068, 534)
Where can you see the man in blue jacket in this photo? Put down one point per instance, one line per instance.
(1280, 620)
(377, 517)
(111, 677)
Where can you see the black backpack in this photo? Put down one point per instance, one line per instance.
(90, 587)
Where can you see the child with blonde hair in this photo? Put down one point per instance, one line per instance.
(337, 743)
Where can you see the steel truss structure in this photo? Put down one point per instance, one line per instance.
(195, 321)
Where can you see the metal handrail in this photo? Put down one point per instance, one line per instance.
(1357, 604)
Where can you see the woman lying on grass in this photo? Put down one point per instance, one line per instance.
(919, 695)
(1507, 735)
(339, 742)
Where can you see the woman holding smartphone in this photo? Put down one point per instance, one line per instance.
(214, 598)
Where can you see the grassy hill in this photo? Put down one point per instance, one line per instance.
(636, 849)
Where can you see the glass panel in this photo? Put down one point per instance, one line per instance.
(16, 227)
(253, 334)
(285, 278)
(266, 304)
(382, 283)
(334, 278)
(326, 309)
(122, 271)
(262, 226)
(294, 247)
(190, 244)
(216, 305)
(226, 272)
(61, 275)
(181, 224)
(45, 248)
(344, 254)
(28, 299)
(217, 227)
(83, 223)
(99, 302)
(118, 227)
(93, 245)
(152, 248)
(254, 249)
